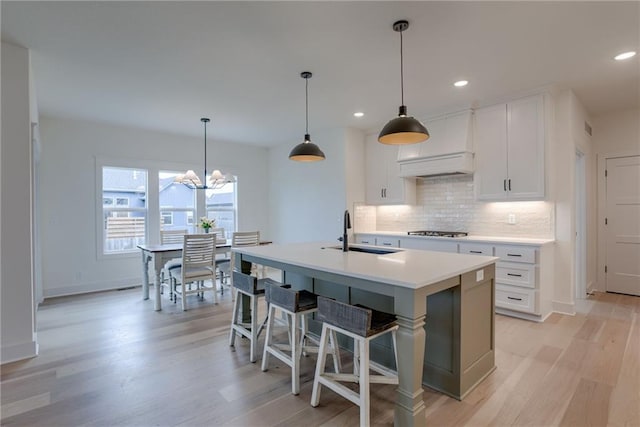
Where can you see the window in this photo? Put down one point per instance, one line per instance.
(125, 222)
(177, 203)
(167, 219)
(221, 206)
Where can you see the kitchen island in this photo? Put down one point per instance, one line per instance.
(451, 349)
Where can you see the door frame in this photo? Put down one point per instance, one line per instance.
(580, 210)
(601, 160)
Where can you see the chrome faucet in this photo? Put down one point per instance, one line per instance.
(347, 224)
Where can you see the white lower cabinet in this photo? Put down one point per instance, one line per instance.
(515, 298)
(393, 242)
(524, 273)
(523, 278)
(365, 239)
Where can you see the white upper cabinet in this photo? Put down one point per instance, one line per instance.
(383, 185)
(509, 144)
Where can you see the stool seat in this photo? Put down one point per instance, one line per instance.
(296, 305)
(362, 324)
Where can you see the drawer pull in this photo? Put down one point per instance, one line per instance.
(365, 241)
(514, 298)
(514, 275)
(475, 252)
(386, 243)
(519, 255)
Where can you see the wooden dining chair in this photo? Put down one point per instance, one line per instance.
(240, 239)
(169, 237)
(223, 258)
(198, 267)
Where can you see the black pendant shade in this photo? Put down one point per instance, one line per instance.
(306, 151)
(403, 129)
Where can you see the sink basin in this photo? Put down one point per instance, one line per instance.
(377, 251)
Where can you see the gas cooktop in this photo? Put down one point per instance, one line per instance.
(432, 233)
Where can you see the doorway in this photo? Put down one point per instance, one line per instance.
(622, 229)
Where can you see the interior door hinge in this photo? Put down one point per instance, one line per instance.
(605, 173)
(605, 268)
(606, 221)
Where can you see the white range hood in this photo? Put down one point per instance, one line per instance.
(449, 149)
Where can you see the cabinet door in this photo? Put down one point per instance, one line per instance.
(525, 161)
(375, 170)
(383, 185)
(490, 142)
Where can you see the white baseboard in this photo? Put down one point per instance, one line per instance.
(91, 287)
(564, 308)
(13, 353)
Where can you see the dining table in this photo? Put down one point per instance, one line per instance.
(158, 255)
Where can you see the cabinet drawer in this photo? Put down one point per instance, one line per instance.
(366, 240)
(516, 253)
(476, 249)
(514, 298)
(517, 274)
(388, 241)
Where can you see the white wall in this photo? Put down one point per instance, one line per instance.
(569, 117)
(67, 198)
(18, 339)
(616, 133)
(308, 200)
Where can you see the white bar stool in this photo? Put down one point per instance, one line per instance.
(362, 324)
(296, 305)
(254, 289)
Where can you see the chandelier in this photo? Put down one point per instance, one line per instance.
(215, 181)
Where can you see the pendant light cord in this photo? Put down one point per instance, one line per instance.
(307, 104)
(401, 72)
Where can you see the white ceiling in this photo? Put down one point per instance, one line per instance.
(163, 65)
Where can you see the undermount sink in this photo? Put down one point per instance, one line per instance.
(377, 251)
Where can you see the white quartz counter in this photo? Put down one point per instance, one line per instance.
(406, 267)
(483, 239)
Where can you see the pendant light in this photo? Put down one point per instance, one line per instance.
(403, 129)
(306, 151)
(215, 181)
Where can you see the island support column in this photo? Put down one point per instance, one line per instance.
(410, 307)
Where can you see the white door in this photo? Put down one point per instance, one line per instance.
(623, 225)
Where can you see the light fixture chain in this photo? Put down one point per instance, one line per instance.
(205, 155)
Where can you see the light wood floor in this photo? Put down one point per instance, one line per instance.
(108, 359)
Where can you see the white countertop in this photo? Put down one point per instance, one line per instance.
(479, 239)
(406, 267)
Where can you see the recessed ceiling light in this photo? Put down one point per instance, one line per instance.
(358, 114)
(461, 83)
(624, 55)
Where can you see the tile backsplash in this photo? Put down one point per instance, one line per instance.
(448, 203)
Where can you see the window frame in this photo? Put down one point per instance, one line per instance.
(102, 210)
